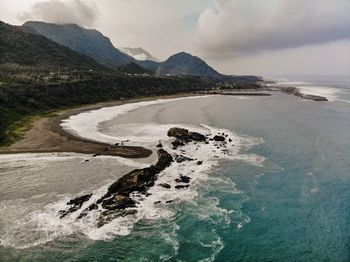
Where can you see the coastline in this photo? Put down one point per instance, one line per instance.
(47, 136)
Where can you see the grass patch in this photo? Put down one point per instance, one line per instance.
(18, 129)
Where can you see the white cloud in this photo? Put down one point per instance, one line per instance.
(238, 27)
(82, 12)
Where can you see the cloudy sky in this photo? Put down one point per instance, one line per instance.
(265, 37)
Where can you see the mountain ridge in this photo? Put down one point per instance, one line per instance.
(93, 43)
(89, 42)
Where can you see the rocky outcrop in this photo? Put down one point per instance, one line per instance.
(184, 135)
(118, 198)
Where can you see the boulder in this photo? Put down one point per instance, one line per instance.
(165, 185)
(219, 138)
(178, 132)
(197, 137)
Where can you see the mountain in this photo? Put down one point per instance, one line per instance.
(138, 53)
(89, 42)
(97, 46)
(186, 64)
(20, 47)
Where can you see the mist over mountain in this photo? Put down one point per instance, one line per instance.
(138, 53)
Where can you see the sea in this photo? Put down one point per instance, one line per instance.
(278, 191)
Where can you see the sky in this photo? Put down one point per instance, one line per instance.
(260, 37)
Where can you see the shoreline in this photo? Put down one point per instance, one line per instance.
(46, 135)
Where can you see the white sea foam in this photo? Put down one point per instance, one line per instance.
(329, 92)
(45, 225)
(306, 88)
(86, 124)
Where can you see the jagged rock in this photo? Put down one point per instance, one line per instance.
(159, 145)
(140, 179)
(219, 138)
(165, 185)
(75, 204)
(117, 201)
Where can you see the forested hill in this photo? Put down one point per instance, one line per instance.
(27, 49)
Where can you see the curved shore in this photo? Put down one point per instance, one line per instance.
(46, 135)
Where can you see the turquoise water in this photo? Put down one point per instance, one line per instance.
(294, 207)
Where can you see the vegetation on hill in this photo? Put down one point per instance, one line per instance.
(27, 49)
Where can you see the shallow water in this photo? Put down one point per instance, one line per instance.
(282, 194)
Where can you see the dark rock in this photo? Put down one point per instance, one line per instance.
(185, 135)
(140, 179)
(117, 201)
(95, 155)
(197, 137)
(75, 204)
(206, 142)
(199, 163)
(181, 186)
(157, 202)
(219, 138)
(178, 132)
(116, 144)
(169, 201)
(183, 179)
(165, 185)
(230, 140)
(182, 158)
(159, 145)
(177, 143)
